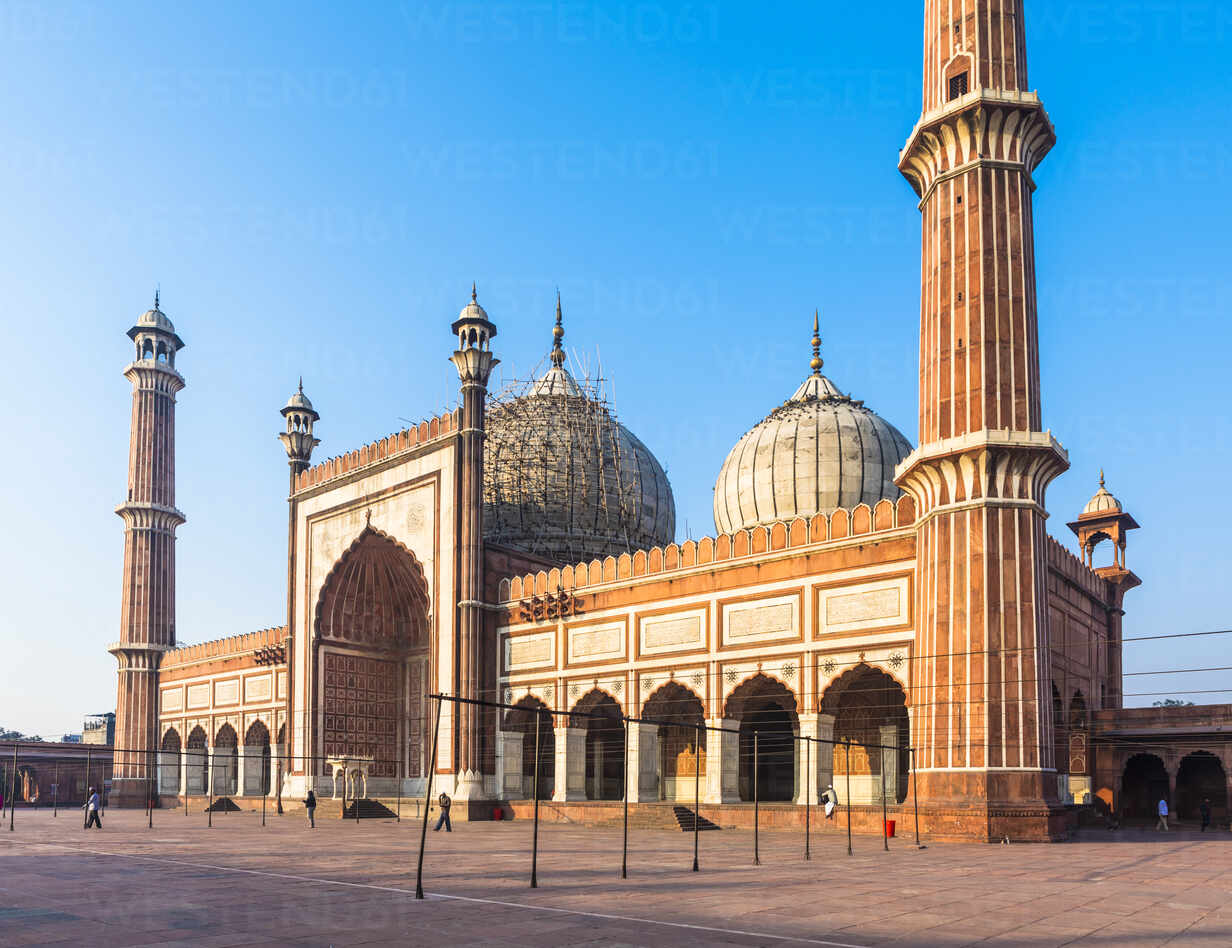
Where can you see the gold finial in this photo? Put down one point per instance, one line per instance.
(817, 361)
(558, 333)
(474, 292)
(1101, 477)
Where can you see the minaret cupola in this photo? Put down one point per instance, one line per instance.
(298, 439)
(155, 337)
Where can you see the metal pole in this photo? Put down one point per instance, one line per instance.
(849, 796)
(265, 769)
(399, 817)
(534, 851)
(808, 793)
(624, 853)
(885, 830)
(756, 803)
(209, 777)
(355, 803)
(184, 777)
(278, 786)
(423, 833)
(697, 798)
(915, 794)
(13, 789)
(55, 793)
(85, 811)
(152, 776)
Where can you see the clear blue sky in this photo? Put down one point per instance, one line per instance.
(316, 186)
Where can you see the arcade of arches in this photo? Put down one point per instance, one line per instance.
(1185, 781)
(673, 751)
(246, 770)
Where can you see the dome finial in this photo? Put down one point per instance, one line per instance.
(558, 333)
(301, 385)
(1101, 477)
(817, 361)
(474, 292)
(157, 288)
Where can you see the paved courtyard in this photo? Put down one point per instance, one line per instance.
(183, 883)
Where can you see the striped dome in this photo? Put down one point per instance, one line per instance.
(818, 451)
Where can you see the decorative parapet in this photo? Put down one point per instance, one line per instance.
(398, 443)
(264, 642)
(802, 532)
(1077, 572)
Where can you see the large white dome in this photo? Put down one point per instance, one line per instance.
(818, 451)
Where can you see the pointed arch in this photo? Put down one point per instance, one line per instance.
(599, 715)
(767, 711)
(679, 713)
(870, 712)
(522, 717)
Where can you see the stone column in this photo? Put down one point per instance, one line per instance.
(643, 751)
(570, 765)
(509, 764)
(825, 752)
(889, 764)
(808, 761)
(243, 776)
(722, 763)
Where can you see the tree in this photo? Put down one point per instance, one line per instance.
(1173, 703)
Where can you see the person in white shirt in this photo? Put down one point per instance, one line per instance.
(1163, 816)
(92, 817)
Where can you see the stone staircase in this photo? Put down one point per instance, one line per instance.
(685, 819)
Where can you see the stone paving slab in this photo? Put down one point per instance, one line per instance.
(183, 883)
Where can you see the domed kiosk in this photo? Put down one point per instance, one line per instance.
(565, 480)
(818, 451)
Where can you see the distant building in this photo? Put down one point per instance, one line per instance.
(99, 729)
(71, 739)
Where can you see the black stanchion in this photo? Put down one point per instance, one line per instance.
(85, 816)
(697, 798)
(398, 818)
(624, 851)
(848, 742)
(13, 790)
(55, 793)
(183, 776)
(265, 768)
(885, 826)
(756, 803)
(423, 833)
(808, 793)
(534, 848)
(209, 776)
(915, 800)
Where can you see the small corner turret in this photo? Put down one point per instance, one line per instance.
(298, 438)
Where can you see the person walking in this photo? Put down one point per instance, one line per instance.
(1205, 811)
(310, 804)
(830, 799)
(445, 804)
(1162, 825)
(92, 804)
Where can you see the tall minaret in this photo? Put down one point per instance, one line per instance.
(147, 610)
(474, 362)
(299, 440)
(982, 719)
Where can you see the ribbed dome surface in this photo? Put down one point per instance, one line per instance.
(565, 480)
(1103, 501)
(818, 451)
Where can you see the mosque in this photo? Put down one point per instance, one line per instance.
(904, 600)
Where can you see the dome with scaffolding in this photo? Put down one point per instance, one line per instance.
(563, 478)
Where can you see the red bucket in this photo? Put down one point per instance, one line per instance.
(498, 813)
(889, 827)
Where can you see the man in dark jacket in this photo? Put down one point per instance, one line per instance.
(1205, 811)
(445, 803)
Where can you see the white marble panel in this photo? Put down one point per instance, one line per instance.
(874, 605)
(199, 695)
(672, 633)
(171, 699)
(226, 692)
(257, 689)
(759, 621)
(596, 643)
(530, 651)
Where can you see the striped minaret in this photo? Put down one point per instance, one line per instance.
(980, 682)
(147, 609)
